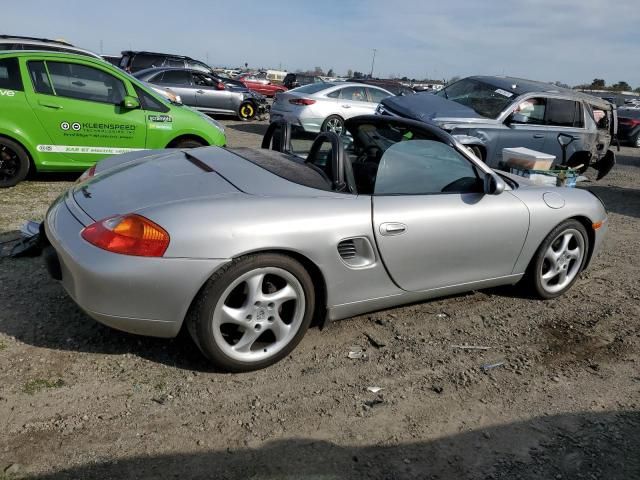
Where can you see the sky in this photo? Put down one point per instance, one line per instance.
(572, 41)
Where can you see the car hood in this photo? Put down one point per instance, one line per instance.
(139, 180)
(426, 107)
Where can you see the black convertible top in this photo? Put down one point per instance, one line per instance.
(285, 166)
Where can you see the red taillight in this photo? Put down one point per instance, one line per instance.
(87, 174)
(129, 235)
(302, 101)
(629, 121)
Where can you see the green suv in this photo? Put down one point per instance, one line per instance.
(64, 112)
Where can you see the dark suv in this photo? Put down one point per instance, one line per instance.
(294, 80)
(135, 61)
(629, 126)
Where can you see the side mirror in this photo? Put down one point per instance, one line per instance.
(493, 185)
(130, 103)
(517, 118)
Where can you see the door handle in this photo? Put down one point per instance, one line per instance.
(199, 91)
(78, 83)
(538, 135)
(392, 228)
(50, 105)
(346, 106)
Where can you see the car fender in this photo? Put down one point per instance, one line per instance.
(468, 140)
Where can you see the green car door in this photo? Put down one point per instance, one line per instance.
(87, 112)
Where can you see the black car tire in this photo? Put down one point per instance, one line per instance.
(247, 111)
(636, 140)
(189, 143)
(333, 120)
(214, 295)
(533, 278)
(14, 163)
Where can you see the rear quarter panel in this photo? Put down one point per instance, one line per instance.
(243, 224)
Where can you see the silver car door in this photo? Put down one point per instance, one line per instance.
(353, 101)
(179, 81)
(568, 117)
(433, 224)
(208, 96)
(524, 128)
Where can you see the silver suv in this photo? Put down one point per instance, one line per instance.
(488, 114)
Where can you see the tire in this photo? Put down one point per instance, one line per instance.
(333, 123)
(240, 328)
(559, 260)
(636, 140)
(14, 163)
(189, 143)
(247, 111)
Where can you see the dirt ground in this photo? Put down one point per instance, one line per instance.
(79, 400)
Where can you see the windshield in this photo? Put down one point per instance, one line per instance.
(486, 100)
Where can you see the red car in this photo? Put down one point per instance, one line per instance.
(261, 84)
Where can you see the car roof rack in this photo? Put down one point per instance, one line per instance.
(36, 39)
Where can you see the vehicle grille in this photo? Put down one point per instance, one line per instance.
(347, 249)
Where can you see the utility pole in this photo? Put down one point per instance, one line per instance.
(373, 62)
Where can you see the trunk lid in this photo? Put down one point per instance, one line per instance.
(131, 184)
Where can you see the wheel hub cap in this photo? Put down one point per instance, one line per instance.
(562, 261)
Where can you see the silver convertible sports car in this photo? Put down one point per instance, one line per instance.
(247, 247)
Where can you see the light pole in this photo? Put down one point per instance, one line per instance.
(373, 62)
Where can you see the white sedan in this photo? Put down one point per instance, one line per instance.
(325, 106)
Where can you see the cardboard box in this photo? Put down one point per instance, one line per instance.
(526, 158)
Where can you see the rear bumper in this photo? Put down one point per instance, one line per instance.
(146, 296)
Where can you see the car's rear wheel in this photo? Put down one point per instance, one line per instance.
(559, 260)
(636, 141)
(253, 312)
(247, 111)
(333, 123)
(14, 163)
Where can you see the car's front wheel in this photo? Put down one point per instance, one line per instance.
(636, 140)
(247, 111)
(253, 312)
(559, 260)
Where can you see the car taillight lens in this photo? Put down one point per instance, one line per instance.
(87, 174)
(302, 101)
(128, 235)
(629, 121)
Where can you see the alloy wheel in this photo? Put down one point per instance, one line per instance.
(335, 125)
(562, 260)
(258, 314)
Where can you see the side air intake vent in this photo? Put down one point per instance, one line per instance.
(356, 252)
(347, 249)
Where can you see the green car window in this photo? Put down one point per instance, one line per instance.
(81, 82)
(148, 102)
(10, 74)
(39, 77)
